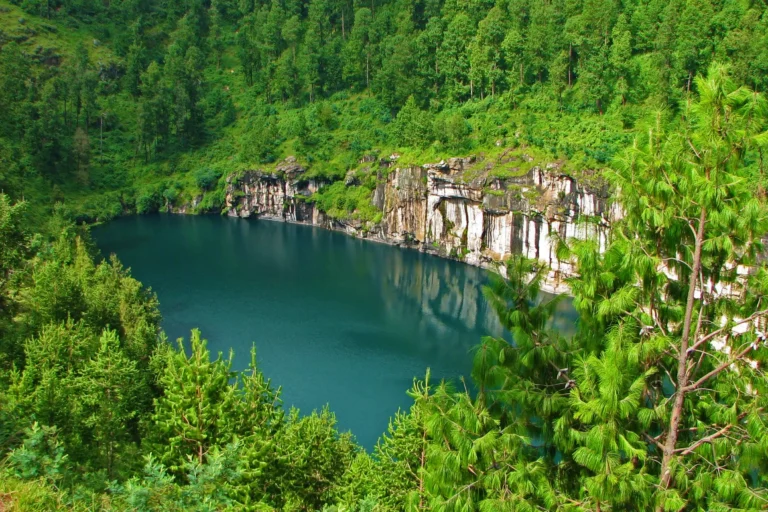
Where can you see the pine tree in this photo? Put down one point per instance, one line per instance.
(15, 73)
(401, 455)
(311, 460)
(476, 462)
(109, 389)
(258, 419)
(358, 51)
(193, 414)
(669, 282)
(453, 58)
(621, 55)
(15, 247)
(413, 125)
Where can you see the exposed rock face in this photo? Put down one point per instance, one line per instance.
(280, 195)
(454, 209)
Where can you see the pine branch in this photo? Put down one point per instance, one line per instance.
(696, 367)
(653, 440)
(464, 489)
(703, 440)
(671, 258)
(669, 375)
(693, 148)
(723, 366)
(718, 332)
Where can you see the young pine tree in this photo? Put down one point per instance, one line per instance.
(671, 296)
(193, 414)
(109, 387)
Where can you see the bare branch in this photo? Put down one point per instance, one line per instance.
(703, 440)
(718, 332)
(717, 370)
(654, 441)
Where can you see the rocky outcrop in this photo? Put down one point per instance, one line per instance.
(462, 208)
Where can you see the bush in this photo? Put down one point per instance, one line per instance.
(41, 455)
(212, 201)
(147, 201)
(292, 124)
(171, 194)
(260, 145)
(206, 177)
(343, 202)
(454, 130)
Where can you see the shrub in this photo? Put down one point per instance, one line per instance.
(147, 201)
(206, 177)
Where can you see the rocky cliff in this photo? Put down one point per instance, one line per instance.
(465, 208)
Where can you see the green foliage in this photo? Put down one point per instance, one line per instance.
(66, 284)
(15, 247)
(40, 456)
(205, 490)
(105, 101)
(109, 388)
(347, 202)
(205, 178)
(413, 126)
(656, 402)
(191, 415)
(311, 458)
(454, 131)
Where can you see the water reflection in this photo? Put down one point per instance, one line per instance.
(335, 319)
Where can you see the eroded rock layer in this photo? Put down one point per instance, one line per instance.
(458, 209)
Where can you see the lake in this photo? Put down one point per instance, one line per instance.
(335, 320)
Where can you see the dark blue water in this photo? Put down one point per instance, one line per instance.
(334, 319)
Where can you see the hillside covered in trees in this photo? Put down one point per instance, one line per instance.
(133, 106)
(657, 402)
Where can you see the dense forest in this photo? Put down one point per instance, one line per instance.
(657, 402)
(134, 106)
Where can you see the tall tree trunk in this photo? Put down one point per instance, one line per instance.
(682, 362)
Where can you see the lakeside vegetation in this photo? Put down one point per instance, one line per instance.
(657, 402)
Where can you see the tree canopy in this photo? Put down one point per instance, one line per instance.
(657, 401)
(116, 106)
